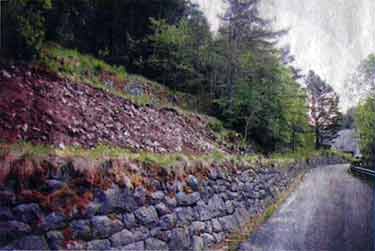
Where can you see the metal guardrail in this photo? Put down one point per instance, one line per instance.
(364, 171)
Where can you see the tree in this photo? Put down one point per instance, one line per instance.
(325, 116)
(179, 50)
(25, 27)
(243, 30)
(362, 85)
(365, 120)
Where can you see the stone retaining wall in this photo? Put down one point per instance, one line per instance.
(192, 214)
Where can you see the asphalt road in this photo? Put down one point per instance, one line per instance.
(330, 211)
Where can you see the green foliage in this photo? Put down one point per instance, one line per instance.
(25, 148)
(176, 60)
(269, 106)
(365, 120)
(86, 69)
(216, 126)
(80, 67)
(25, 26)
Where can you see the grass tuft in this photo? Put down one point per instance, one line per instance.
(85, 69)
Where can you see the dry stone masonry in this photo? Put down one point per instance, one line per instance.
(194, 213)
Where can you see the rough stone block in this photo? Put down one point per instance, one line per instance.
(155, 244)
(146, 215)
(185, 215)
(197, 227)
(81, 229)
(129, 220)
(32, 242)
(28, 213)
(198, 244)
(180, 239)
(53, 221)
(162, 209)
(103, 226)
(10, 230)
(55, 240)
(216, 226)
(99, 245)
(6, 214)
(184, 199)
(168, 221)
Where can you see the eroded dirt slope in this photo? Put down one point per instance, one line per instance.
(41, 108)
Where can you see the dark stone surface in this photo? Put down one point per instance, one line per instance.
(168, 221)
(180, 239)
(81, 229)
(129, 220)
(126, 237)
(99, 245)
(146, 215)
(10, 230)
(55, 240)
(103, 226)
(53, 221)
(6, 214)
(134, 246)
(155, 244)
(184, 199)
(32, 242)
(193, 182)
(28, 213)
(162, 209)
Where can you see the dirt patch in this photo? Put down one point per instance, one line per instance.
(41, 108)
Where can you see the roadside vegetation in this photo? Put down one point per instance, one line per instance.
(105, 152)
(362, 86)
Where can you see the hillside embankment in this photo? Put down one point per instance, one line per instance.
(102, 172)
(41, 108)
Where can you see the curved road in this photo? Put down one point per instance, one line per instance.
(330, 211)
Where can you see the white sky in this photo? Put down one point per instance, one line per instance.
(327, 36)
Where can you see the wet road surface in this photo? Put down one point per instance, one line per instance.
(330, 211)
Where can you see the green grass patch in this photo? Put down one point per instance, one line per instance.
(155, 159)
(85, 69)
(346, 156)
(24, 148)
(98, 153)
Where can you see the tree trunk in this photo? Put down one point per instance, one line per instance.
(317, 139)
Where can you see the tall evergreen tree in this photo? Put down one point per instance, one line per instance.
(243, 30)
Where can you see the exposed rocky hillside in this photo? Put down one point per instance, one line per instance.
(41, 108)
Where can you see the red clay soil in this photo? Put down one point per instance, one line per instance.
(42, 108)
